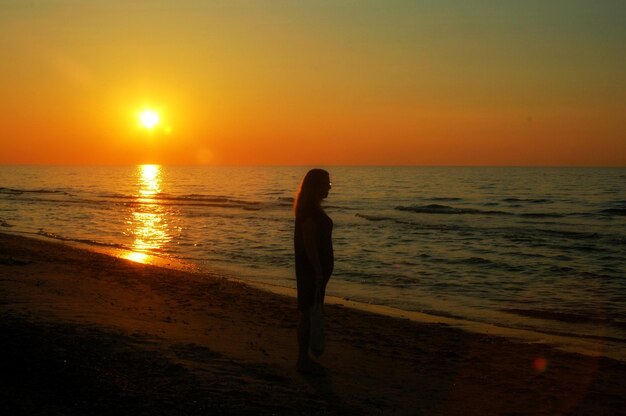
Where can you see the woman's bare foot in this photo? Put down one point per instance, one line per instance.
(309, 366)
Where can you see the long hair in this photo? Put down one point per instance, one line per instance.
(308, 196)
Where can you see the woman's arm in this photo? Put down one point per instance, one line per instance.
(309, 230)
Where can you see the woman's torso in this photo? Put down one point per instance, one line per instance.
(323, 243)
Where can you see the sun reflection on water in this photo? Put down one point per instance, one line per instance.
(147, 221)
(149, 180)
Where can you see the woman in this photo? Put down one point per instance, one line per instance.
(313, 248)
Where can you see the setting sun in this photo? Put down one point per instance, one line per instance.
(149, 118)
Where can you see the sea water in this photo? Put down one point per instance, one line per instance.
(532, 248)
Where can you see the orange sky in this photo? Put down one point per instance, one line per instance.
(314, 82)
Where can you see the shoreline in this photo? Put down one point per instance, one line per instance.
(577, 344)
(109, 336)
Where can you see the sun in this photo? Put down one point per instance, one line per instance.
(149, 118)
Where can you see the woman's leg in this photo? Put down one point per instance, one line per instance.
(304, 336)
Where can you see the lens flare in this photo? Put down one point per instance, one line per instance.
(540, 364)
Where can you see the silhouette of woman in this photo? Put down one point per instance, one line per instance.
(313, 249)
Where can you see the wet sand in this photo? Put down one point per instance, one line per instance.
(84, 333)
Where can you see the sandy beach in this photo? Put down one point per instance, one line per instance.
(90, 334)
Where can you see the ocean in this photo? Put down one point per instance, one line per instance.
(541, 249)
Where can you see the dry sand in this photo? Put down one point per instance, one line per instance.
(84, 333)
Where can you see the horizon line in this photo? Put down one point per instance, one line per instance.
(400, 165)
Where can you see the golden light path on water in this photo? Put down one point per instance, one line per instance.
(147, 222)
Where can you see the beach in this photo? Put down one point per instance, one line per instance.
(85, 333)
(474, 244)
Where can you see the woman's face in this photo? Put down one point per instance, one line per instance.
(325, 186)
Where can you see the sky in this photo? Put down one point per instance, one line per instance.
(269, 82)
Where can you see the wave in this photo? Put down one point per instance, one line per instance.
(78, 240)
(160, 200)
(5, 224)
(183, 198)
(373, 217)
(15, 191)
(285, 201)
(616, 240)
(537, 236)
(570, 317)
(448, 210)
(541, 215)
(474, 260)
(445, 209)
(585, 248)
(530, 200)
(614, 211)
(574, 235)
(442, 199)
(64, 200)
(191, 204)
